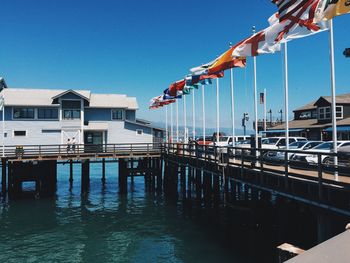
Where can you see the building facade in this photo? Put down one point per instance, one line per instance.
(314, 120)
(47, 117)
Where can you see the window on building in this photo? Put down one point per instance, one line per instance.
(71, 114)
(139, 132)
(339, 112)
(47, 113)
(71, 109)
(117, 114)
(324, 113)
(19, 133)
(23, 113)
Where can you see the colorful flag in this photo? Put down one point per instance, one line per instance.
(262, 98)
(226, 61)
(176, 86)
(262, 42)
(295, 19)
(327, 9)
(203, 69)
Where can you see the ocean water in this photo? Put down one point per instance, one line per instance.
(104, 227)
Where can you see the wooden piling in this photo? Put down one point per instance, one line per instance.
(85, 175)
(71, 171)
(123, 179)
(3, 177)
(198, 184)
(159, 174)
(103, 179)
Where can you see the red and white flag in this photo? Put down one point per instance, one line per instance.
(263, 42)
(296, 19)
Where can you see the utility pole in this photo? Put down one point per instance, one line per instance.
(270, 112)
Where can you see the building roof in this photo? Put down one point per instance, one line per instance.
(340, 99)
(309, 106)
(45, 97)
(309, 124)
(297, 124)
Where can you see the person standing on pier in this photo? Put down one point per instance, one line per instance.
(68, 145)
(73, 144)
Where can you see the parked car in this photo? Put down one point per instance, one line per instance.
(279, 142)
(226, 141)
(310, 157)
(275, 156)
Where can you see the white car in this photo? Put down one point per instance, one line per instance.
(225, 141)
(311, 157)
(279, 142)
(298, 146)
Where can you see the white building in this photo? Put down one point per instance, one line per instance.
(47, 117)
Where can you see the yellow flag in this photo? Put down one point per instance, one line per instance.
(332, 8)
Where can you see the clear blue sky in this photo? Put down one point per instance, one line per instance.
(140, 47)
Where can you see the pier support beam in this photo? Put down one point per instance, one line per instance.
(123, 179)
(70, 171)
(3, 176)
(85, 176)
(103, 179)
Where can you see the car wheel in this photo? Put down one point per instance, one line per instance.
(327, 161)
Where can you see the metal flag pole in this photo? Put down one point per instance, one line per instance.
(217, 111)
(193, 117)
(203, 112)
(334, 115)
(171, 124)
(265, 110)
(177, 121)
(255, 102)
(185, 120)
(232, 108)
(286, 95)
(3, 125)
(166, 125)
(232, 105)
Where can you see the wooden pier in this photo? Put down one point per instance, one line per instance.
(38, 164)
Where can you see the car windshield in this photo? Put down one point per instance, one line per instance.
(297, 145)
(270, 141)
(325, 146)
(223, 139)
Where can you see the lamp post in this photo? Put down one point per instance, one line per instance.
(281, 112)
(346, 53)
(244, 120)
(270, 112)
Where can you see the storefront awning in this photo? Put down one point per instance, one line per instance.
(339, 128)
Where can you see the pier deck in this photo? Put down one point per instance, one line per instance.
(81, 152)
(323, 185)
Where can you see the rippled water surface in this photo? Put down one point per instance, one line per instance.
(103, 227)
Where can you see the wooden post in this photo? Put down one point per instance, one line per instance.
(320, 183)
(70, 171)
(183, 180)
(123, 179)
(103, 170)
(216, 188)
(159, 174)
(85, 176)
(3, 180)
(198, 184)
